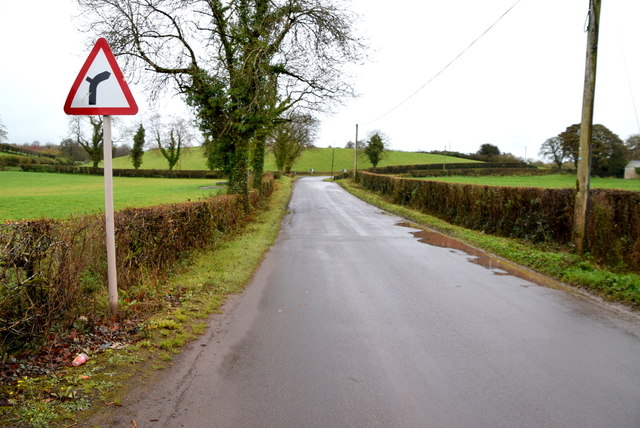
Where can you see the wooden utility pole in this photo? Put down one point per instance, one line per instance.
(355, 155)
(586, 125)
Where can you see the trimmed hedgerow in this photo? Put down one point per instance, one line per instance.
(535, 214)
(52, 271)
(613, 227)
(473, 172)
(404, 169)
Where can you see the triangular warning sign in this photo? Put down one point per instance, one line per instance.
(100, 87)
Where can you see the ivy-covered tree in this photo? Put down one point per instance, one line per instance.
(374, 148)
(137, 151)
(170, 147)
(239, 63)
(290, 138)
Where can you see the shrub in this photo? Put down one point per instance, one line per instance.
(535, 214)
(403, 169)
(51, 271)
(613, 227)
(474, 172)
(40, 270)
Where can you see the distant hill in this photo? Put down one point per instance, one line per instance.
(16, 150)
(319, 159)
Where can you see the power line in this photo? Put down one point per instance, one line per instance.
(446, 66)
(633, 99)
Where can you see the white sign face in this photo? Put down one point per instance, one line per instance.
(100, 87)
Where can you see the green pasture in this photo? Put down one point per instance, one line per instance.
(32, 195)
(319, 159)
(14, 155)
(556, 181)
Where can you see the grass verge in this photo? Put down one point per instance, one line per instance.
(556, 262)
(197, 289)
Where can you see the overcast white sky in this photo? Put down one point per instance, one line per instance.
(516, 87)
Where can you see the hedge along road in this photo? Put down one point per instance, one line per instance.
(351, 321)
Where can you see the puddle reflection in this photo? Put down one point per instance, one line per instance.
(497, 265)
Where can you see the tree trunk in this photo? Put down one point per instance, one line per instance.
(258, 160)
(238, 181)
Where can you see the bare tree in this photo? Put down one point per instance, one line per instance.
(171, 138)
(554, 149)
(3, 132)
(239, 63)
(93, 145)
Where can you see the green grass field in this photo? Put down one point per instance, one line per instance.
(558, 181)
(31, 195)
(38, 195)
(319, 159)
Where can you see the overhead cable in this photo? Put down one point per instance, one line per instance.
(446, 66)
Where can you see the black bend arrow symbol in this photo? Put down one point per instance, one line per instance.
(93, 85)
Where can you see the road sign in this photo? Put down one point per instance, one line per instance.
(100, 87)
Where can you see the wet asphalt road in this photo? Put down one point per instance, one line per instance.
(352, 322)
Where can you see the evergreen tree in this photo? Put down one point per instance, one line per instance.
(608, 152)
(138, 147)
(374, 149)
(633, 147)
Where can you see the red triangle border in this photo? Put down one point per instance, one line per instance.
(101, 44)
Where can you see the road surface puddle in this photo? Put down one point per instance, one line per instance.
(497, 265)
